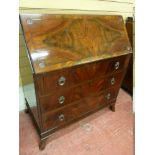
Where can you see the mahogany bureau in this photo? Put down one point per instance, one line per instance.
(78, 63)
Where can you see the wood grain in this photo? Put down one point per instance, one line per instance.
(51, 120)
(61, 41)
(51, 102)
(86, 53)
(81, 73)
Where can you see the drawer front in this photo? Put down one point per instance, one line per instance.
(66, 96)
(74, 111)
(75, 75)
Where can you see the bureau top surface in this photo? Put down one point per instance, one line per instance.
(60, 41)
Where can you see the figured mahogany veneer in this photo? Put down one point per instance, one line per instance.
(61, 41)
(78, 74)
(78, 63)
(77, 109)
(51, 102)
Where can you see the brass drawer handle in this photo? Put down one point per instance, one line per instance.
(61, 99)
(61, 117)
(61, 81)
(112, 81)
(117, 64)
(108, 96)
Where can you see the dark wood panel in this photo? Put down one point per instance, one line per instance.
(61, 41)
(66, 96)
(128, 79)
(129, 26)
(71, 112)
(81, 73)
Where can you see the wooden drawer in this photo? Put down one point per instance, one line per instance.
(116, 64)
(64, 115)
(75, 75)
(66, 96)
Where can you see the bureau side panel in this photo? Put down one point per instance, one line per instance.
(30, 89)
(30, 95)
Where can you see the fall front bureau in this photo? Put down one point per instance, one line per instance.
(77, 66)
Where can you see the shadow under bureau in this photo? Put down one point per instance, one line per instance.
(77, 65)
